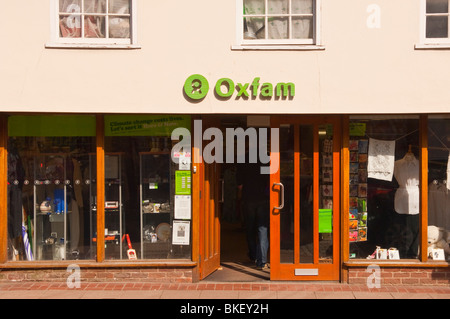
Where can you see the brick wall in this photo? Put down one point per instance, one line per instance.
(403, 276)
(163, 275)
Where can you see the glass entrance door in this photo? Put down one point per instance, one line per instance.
(304, 226)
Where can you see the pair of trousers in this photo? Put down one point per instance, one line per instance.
(257, 225)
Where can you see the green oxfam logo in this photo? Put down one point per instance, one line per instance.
(196, 87)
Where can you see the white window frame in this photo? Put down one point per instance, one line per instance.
(305, 44)
(431, 42)
(58, 41)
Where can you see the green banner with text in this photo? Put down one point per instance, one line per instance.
(145, 125)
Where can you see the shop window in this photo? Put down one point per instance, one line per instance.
(278, 22)
(384, 210)
(436, 21)
(49, 187)
(147, 194)
(439, 187)
(94, 21)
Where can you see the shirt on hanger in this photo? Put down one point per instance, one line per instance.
(407, 196)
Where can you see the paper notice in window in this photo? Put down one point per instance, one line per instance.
(380, 164)
(181, 232)
(182, 207)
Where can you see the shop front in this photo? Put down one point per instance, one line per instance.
(139, 197)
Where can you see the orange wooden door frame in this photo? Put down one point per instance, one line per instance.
(296, 270)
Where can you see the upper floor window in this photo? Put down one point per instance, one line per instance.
(436, 21)
(94, 22)
(278, 22)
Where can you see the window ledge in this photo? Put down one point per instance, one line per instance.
(298, 47)
(180, 263)
(433, 46)
(91, 46)
(396, 263)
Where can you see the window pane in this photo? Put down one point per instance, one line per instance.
(306, 194)
(278, 28)
(119, 6)
(287, 179)
(254, 28)
(94, 27)
(119, 27)
(302, 28)
(384, 187)
(49, 186)
(326, 194)
(437, 6)
(147, 194)
(437, 27)
(278, 6)
(254, 7)
(438, 176)
(302, 6)
(70, 26)
(95, 6)
(70, 6)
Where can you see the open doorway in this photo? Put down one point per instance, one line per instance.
(235, 262)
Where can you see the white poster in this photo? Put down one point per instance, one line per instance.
(182, 207)
(181, 232)
(381, 160)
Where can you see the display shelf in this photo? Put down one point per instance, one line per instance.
(114, 212)
(156, 204)
(50, 207)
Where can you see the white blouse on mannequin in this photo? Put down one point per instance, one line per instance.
(407, 196)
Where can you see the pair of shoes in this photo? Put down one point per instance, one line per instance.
(263, 267)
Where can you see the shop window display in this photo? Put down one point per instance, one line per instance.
(384, 211)
(439, 186)
(49, 187)
(149, 193)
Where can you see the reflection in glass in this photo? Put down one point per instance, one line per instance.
(437, 27)
(437, 6)
(306, 194)
(49, 202)
(438, 177)
(383, 206)
(325, 193)
(287, 179)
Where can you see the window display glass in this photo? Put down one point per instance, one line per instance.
(49, 187)
(438, 188)
(384, 210)
(147, 194)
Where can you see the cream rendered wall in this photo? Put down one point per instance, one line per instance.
(361, 70)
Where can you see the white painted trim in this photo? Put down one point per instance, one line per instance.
(298, 47)
(432, 46)
(55, 45)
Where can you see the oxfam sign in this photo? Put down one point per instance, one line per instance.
(196, 87)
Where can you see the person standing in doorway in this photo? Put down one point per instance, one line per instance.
(253, 190)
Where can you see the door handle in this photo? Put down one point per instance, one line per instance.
(281, 196)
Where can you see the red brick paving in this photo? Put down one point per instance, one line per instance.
(220, 286)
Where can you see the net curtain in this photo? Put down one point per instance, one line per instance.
(94, 26)
(278, 27)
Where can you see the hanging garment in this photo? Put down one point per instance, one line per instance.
(438, 205)
(381, 159)
(407, 196)
(448, 172)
